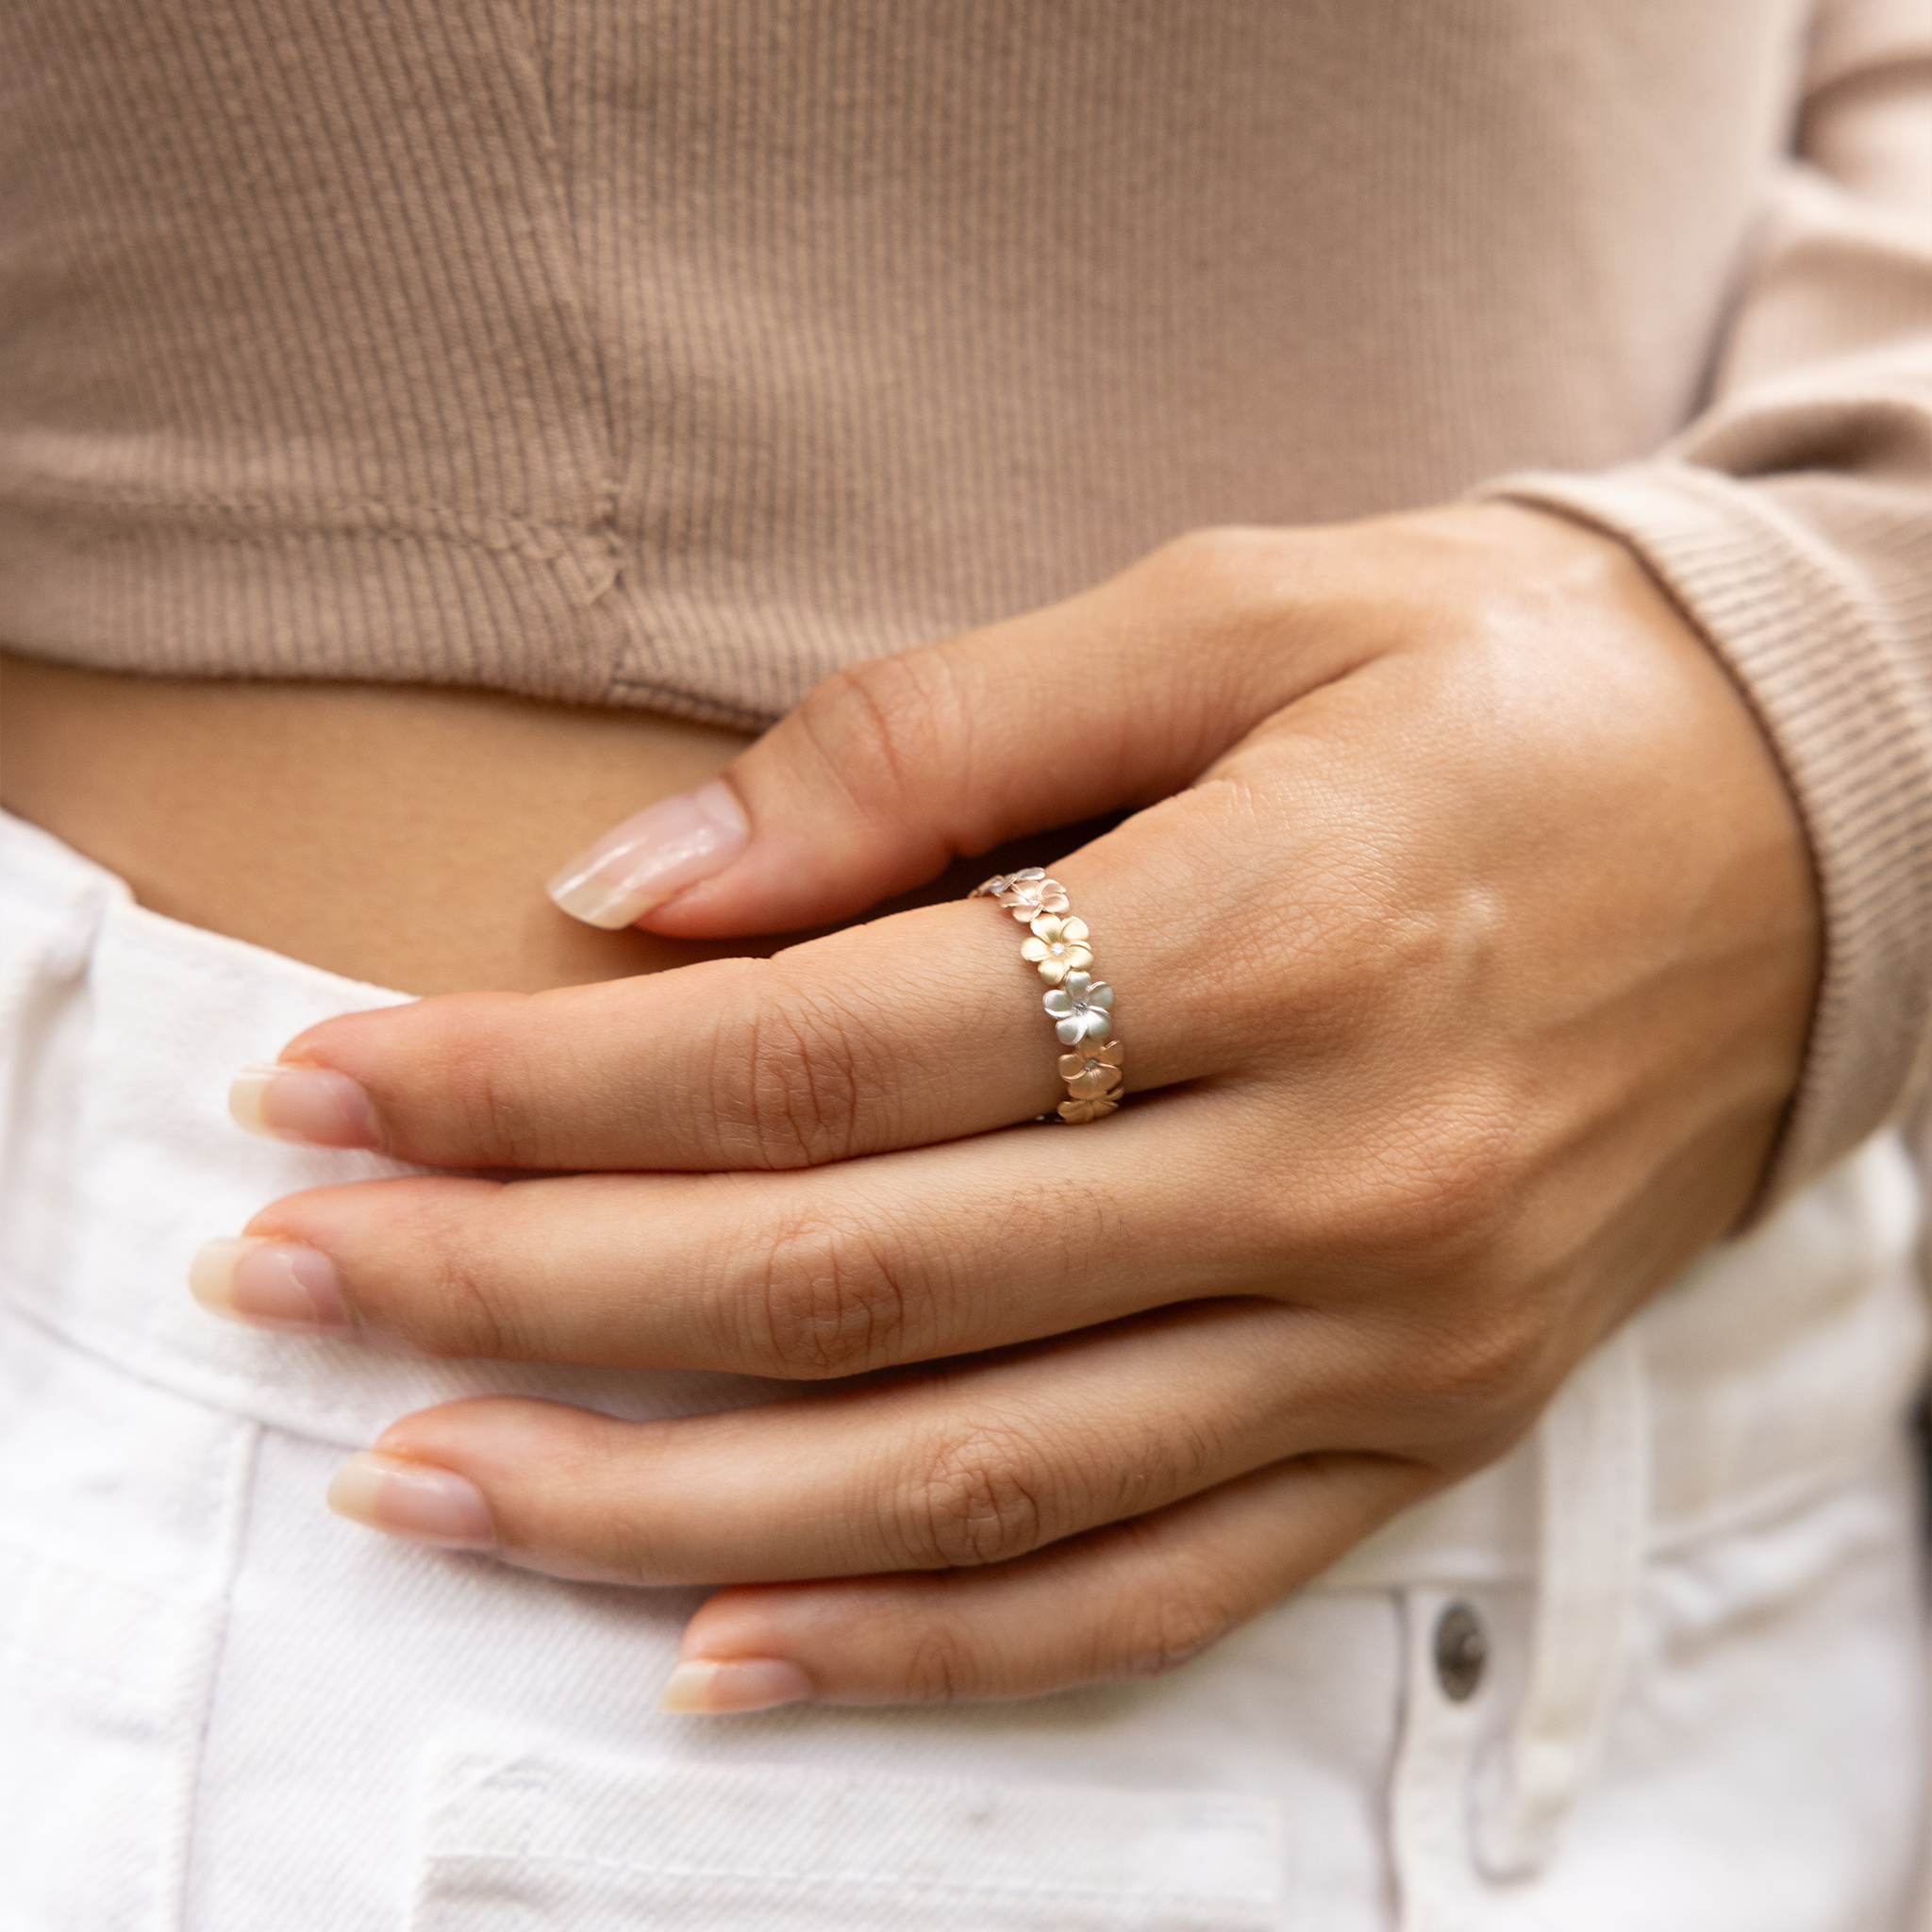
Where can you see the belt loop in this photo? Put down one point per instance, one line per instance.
(54, 902)
(1429, 1796)
(1593, 1523)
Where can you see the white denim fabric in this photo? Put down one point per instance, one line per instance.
(221, 1710)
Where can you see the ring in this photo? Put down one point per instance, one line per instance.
(1079, 1006)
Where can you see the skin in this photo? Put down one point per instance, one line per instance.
(1465, 940)
(399, 835)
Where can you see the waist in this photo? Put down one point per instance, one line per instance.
(394, 835)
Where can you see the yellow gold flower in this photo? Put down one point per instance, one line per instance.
(1056, 947)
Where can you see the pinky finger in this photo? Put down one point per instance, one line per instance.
(1130, 1600)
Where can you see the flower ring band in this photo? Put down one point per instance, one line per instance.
(1079, 1006)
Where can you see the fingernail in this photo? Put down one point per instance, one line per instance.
(657, 852)
(312, 1105)
(270, 1284)
(412, 1499)
(716, 1685)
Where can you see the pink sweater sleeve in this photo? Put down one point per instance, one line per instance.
(1792, 521)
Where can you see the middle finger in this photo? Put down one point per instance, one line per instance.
(862, 1265)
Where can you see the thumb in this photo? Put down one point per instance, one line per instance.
(891, 769)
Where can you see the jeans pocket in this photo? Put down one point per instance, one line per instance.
(536, 1838)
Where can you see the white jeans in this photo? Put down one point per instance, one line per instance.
(223, 1709)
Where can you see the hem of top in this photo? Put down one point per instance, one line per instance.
(352, 591)
(378, 595)
(693, 707)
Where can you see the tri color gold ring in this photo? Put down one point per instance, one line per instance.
(1079, 1006)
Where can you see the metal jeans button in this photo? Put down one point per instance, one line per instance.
(1462, 1650)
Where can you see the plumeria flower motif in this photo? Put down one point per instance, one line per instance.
(1093, 1073)
(1079, 1112)
(1079, 1008)
(1029, 892)
(1058, 947)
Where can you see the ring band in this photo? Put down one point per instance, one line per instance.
(1079, 1006)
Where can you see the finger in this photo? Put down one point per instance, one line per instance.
(977, 1465)
(856, 1267)
(1128, 1601)
(919, 1027)
(1119, 696)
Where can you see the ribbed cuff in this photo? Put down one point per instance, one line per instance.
(1845, 705)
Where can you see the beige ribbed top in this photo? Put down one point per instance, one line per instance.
(661, 355)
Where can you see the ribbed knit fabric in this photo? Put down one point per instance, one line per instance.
(1793, 520)
(674, 355)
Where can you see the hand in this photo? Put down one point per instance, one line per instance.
(1464, 949)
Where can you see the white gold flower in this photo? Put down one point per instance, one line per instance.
(1058, 947)
(1079, 1008)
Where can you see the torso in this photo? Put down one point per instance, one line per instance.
(400, 835)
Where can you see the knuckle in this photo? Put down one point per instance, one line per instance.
(1483, 1376)
(1217, 558)
(1169, 1622)
(1358, 954)
(795, 1079)
(1237, 581)
(1436, 1186)
(1467, 1377)
(502, 1121)
(827, 1298)
(977, 1501)
(477, 1079)
(1365, 959)
(475, 1315)
(874, 726)
(941, 1666)
(441, 1294)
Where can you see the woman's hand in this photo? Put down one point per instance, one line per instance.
(1464, 949)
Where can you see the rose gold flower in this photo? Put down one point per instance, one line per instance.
(1079, 1112)
(1089, 1075)
(1058, 947)
(1030, 892)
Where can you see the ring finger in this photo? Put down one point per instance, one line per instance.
(980, 1464)
(1129, 1600)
